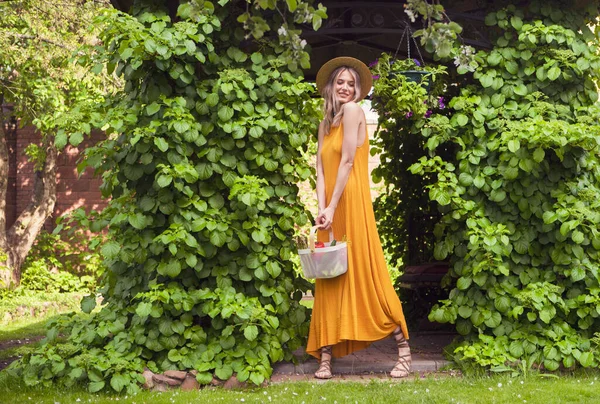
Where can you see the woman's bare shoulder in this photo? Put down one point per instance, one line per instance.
(352, 107)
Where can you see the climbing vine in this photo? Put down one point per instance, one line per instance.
(520, 204)
(201, 163)
(405, 107)
(513, 168)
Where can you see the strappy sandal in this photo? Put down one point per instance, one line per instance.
(324, 371)
(402, 367)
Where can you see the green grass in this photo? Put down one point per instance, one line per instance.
(579, 388)
(22, 326)
(497, 389)
(20, 309)
(25, 328)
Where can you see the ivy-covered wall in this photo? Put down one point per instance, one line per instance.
(519, 194)
(202, 162)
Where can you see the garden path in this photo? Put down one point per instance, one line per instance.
(374, 362)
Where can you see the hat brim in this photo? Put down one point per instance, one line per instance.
(366, 79)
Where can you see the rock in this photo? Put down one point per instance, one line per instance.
(233, 384)
(159, 387)
(216, 382)
(7, 318)
(190, 383)
(149, 382)
(176, 374)
(166, 380)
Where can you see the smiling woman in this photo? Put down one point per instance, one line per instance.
(360, 306)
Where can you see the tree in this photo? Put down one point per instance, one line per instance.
(42, 83)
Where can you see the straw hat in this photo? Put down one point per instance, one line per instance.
(366, 80)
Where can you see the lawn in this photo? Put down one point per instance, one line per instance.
(582, 388)
(578, 388)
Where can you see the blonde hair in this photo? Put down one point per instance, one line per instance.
(332, 109)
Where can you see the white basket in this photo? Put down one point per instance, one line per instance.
(325, 262)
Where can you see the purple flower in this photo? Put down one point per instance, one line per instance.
(441, 103)
(409, 114)
(374, 63)
(375, 77)
(417, 62)
(428, 113)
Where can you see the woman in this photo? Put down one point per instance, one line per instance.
(360, 306)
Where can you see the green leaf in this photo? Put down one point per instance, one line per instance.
(494, 59)
(88, 303)
(224, 372)
(463, 283)
(479, 181)
(218, 238)
(554, 73)
(520, 89)
(143, 309)
(76, 138)
(586, 359)
(110, 249)
(225, 113)
(152, 108)
(546, 315)
(118, 382)
(516, 349)
(540, 73)
(95, 387)
(161, 143)
(516, 22)
(256, 58)
(251, 332)
(577, 236)
(549, 217)
(255, 131)
(514, 145)
(461, 119)
(60, 139)
(138, 221)
(538, 154)
(273, 269)
(204, 377)
(292, 5)
(577, 274)
(257, 378)
(212, 99)
(164, 180)
(181, 126)
(465, 311)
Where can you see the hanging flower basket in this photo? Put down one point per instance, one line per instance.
(404, 89)
(416, 76)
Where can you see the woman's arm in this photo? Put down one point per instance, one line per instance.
(321, 198)
(351, 121)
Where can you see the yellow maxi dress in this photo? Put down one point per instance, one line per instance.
(361, 306)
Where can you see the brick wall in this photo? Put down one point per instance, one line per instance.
(73, 191)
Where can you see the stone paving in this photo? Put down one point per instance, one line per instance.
(375, 362)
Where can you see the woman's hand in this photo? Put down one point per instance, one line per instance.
(325, 218)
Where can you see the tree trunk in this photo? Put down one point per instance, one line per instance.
(16, 241)
(4, 272)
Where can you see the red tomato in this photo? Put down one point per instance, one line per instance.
(319, 244)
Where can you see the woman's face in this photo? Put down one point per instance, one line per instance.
(344, 87)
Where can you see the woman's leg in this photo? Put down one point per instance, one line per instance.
(324, 371)
(402, 367)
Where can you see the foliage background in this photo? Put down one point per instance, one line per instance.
(518, 192)
(203, 155)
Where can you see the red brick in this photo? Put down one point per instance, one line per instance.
(73, 190)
